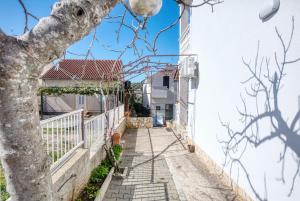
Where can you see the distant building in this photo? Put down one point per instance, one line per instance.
(159, 94)
(78, 73)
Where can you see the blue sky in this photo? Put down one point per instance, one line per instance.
(12, 22)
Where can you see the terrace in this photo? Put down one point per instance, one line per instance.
(160, 167)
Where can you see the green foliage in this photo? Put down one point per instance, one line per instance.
(91, 191)
(55, 155)
(106, 163)
(140, 110)
(117, 149)
(99, 173)
(136, 105)
(136, 86)
(3, 193)
(82, 90)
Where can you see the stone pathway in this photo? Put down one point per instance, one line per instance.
(161, 169)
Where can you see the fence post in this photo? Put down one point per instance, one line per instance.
(83, 130)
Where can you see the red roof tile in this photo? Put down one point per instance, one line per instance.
(69, 69)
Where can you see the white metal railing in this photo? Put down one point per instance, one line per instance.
(62, 135)
(94, 129)
(121, 111)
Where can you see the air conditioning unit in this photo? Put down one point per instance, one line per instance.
(189, 68)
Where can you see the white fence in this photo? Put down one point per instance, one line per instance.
(94, 129)
(63, 134)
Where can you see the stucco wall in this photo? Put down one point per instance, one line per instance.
(157, 83)
(221, 39)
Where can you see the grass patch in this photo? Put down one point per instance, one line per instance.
(3, 193)
(55, 155)
(97, 177)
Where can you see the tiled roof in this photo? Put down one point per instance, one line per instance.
(69, 69)
(170, 71)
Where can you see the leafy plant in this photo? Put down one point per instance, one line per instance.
(91, 191)
(3, 193)
(99, 173)
(117, 149)
(82, 90)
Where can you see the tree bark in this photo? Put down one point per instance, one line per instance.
(26, 165)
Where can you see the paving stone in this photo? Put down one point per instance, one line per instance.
(161, 169)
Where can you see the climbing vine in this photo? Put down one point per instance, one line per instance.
(85, 90)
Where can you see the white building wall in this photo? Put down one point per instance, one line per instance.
(221, 39)
(156, 82)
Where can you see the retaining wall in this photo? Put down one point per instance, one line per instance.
(139, 122)
(72, 176)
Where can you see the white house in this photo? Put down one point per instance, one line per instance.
(159, 94)
(220, 40)
(81, 73)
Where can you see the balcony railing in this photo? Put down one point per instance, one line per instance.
(64, 134)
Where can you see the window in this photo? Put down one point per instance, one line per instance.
(157, 107)
(81, 100)
(166, 81)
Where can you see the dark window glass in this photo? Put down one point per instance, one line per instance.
(166, 81)
(169, 111)
(157, 107)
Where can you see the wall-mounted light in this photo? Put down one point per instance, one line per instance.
(269, 10)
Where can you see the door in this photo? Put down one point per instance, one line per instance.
(169, 112)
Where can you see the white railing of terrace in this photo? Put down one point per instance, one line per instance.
(95, 127)
(63, 135)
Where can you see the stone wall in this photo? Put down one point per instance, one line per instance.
(139, 122)
(70, 179)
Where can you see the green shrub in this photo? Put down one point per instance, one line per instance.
(117, 149)
(106, 163)
(91, 191)
(3, 193)
(99, 173)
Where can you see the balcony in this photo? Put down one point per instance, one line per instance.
(160, 92)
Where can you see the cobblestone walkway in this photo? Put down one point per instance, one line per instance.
(161, 169)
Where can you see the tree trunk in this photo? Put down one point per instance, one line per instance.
(26, 164)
